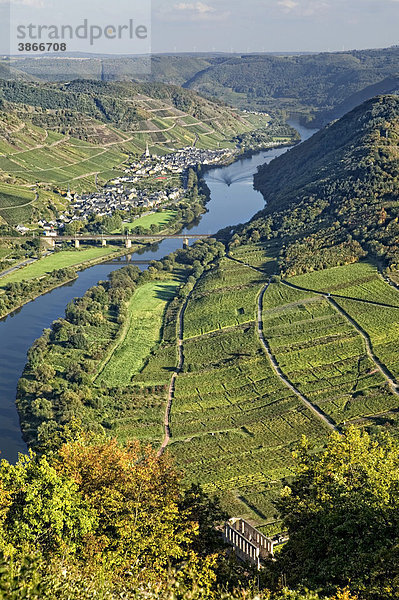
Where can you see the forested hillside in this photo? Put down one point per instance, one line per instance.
(334, 199)
(323, 86)
(316, 86)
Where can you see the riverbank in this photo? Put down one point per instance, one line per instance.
(30, 286)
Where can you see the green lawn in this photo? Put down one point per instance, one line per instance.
(59, 260)
(143, 331)
(159, 218)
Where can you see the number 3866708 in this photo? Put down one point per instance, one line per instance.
(42, 47)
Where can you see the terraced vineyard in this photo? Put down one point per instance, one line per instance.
(369, 300)
(233, 421)
(323, 355)
(79, 151)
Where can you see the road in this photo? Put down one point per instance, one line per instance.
(28, 261)
(24, 263)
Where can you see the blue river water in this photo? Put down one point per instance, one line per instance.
(233, 201)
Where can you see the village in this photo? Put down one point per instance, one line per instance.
(132, 192)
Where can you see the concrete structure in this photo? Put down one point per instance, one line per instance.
(249, 544)
(128, 243)
(48, 241)
(77, 243)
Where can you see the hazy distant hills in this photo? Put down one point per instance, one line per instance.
(335, 197)
(317, 86)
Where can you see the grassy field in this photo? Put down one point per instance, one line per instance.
(161, 219)
(58, 260)
(142, 332)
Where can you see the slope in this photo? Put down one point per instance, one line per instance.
(334, 199)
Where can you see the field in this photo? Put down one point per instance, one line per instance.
(378, 311)
(382, 327)
(162, 219)
(360, 280)
(143, 330)
(57, 260)
(15, 203)
(234, 422)
(225, 297)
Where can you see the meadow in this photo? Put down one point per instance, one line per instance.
(161, 219)
(143, 329)
(57, 260)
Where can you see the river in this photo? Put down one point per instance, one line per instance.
(233, 200)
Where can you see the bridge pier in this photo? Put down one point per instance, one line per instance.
(128, 243)
(103, 243)
(49, 242)
(186, 243)
(77, 244)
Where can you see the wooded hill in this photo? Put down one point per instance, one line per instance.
(334, 198)
(125, 105)
(324, 86)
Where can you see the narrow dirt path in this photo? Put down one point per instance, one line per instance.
(276, 368)
(369, 348)
(393, 385)
(172, 385)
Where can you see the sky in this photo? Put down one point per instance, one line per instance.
(273, 25)
(220, 25)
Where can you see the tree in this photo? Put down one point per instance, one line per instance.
(341, 512)
(44, 508)
(136, 496)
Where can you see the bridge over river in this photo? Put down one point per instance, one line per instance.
(103, 239)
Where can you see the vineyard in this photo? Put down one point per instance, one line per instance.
(233, 422)
(322, 354)
(235, 417)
